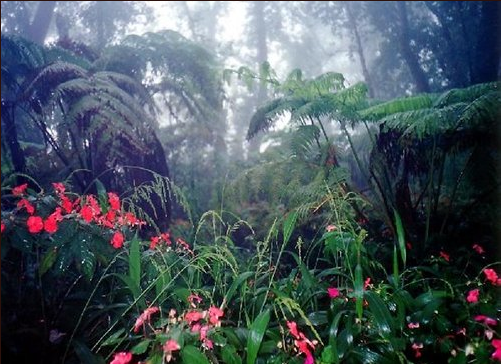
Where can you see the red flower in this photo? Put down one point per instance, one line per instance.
(333, 292)
(86, 213)
(445, 255)
(35, 224)
(491, 276)
(50, 224)
(122, 358)
(154, 241)
(473, 296)
(3, 227)
(166, 238)
(20, 190)
(118, 240)
(478, 249)
(497, 353)
(67, 204)
(114, 201)
(59, 187)
(27, 205)
(413, 325)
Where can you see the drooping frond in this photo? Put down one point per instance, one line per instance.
(302, 140)
(399, 105)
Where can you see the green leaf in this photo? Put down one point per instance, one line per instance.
(256, 334)
(400, 236)
(359, 291)
(48, 261)
(141, 347)
(191, 355)
(155, 359)
(236, 283)
(380, 312)
(289, 224)
(135, 262)
(114, 339)
(88, 261)
(230, 355)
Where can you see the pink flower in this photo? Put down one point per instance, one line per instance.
(86, 213)
(416, 347)
(193, 316)
(497, 353)
(194, 300)
(478, 249)
(50, 224)
(145, 317)
(118, 240)
(367, 283)
(486, 320)
(473, 296)
(293, 329)
(35, 224)
(171, 345)
(3, 227)
(330, 228)
(122, 358)
(413, 325)
(333, 292)
(214, 315)
(491, 276)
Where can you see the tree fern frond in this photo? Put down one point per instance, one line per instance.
(483, 111)
(302, 140)
(398, 105)
(467, 94)
(264, 117)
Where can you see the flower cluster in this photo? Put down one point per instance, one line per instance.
(85, 208)
(201, 321)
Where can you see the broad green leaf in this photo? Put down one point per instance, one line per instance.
(141, 347)
(230, 355)
(87, 261)
(155, 359)
(359, 291)
(400, 236)
(84, 354)
(113, 339)
(242, 277)
(380, 312)
(135, 262)
(191, 355)
(256, 334)
(48, 261)
(289, 224)
(396, 273)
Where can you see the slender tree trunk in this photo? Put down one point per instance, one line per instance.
(39, 27)
(17, 154)
(488, 48)
(417, 72)
(360, 50)
(261, 56)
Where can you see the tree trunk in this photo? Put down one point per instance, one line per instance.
(259, 28)
(411, 58)
(39, 27)
(360, 50)
(487, 50)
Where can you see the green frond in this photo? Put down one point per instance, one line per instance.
(483, 112)
(398, 105)
(265, 117)
(302, 140)
(467, 94)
